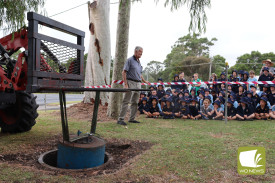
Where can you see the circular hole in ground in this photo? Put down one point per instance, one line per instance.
(49, 160)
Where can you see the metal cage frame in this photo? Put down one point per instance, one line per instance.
(38, 79)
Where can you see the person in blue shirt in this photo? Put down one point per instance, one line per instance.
(144, 107)
(216, 113)
(251, 79)
(233, 98)
(168, 109)
(244, 112)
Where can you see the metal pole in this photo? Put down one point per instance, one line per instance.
(94, 120)
(210, 69)
(45, 101)
(226, 93)
(147, 80)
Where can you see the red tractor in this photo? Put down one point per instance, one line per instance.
(44, 62)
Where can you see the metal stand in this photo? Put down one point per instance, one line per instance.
(64, 121)
(226, 93)
(94, 120)
(63, 112)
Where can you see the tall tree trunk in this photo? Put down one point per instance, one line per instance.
(122, 40)
(99, 54)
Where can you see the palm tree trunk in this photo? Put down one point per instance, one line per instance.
(122, 40)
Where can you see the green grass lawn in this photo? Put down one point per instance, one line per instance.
(183, 150)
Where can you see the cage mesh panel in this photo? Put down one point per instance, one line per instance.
(59, 58)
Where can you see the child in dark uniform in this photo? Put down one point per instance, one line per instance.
(160, 91)
(168, 111)
(151, 87)
(184, 109)
(193, 109)
(154, 110)
(243, 111)
(144, 107)
(262, 111)
(231, 110)
(141, 96)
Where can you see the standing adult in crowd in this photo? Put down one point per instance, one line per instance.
(196, 79)
(132, 77)
(182, 79)
(213, 78)
(268, 63)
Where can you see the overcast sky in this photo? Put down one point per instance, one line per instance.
(240, 26)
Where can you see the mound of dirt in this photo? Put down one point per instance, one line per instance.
(121, 152)
(84, 111)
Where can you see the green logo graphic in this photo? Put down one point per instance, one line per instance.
(251, 160)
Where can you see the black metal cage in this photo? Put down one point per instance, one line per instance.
(53, 62)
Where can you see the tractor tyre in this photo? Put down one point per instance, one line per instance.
(21, 116)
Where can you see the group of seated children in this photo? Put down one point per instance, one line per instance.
(208, 104)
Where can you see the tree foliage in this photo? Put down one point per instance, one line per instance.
(196, 11)
(252, 61)
(189, 50)
(154, 68)
(13, 12)
(218, 64)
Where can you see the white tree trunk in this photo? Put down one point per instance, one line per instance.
(99, 53)
(122, 39)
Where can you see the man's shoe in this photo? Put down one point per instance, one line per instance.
(133, 121)
(121, 123)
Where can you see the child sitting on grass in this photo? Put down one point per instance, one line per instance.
(205, 109)
(193, 109)
(143, 107)
(231, 110)
(216, 113)
(168, 110)
(262, 111)
(154, 110)
(243, 111)
(184, 109)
